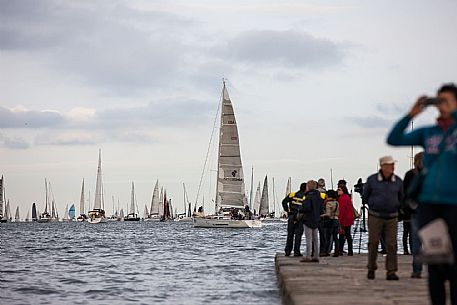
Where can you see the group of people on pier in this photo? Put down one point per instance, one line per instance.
(324, 216)
(426, 200)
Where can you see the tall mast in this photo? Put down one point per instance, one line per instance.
(219, 145)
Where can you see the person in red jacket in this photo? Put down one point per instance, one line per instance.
(346, 218)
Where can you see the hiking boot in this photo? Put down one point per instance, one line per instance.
(370, 275)
(392, 277)
(416, 275)
(305, 260)
(298, 254)
(314, 260)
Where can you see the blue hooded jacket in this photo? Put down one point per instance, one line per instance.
(440, 183)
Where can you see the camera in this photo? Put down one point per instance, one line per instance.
(358, 188)
(428, 101)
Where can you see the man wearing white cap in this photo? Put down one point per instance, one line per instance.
(383, 193)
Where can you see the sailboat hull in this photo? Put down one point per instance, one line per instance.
(96, 220)
(225, 223)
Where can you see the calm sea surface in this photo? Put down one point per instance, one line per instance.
(138, 263)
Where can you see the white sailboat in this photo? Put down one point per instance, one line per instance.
(155, 202)
(82, 214)
(27, 218)
(264, 201)
(16, 216)
(230, 189)
(186, 215)
(45, 216)
(97, 215)
(2, 212)
(256, 204)
(132, 215)
(66, 217)
(8, 215)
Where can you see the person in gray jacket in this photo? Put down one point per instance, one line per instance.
(383, 192)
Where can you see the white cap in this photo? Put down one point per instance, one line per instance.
(386, 160)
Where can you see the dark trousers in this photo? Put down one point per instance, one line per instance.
(331, 235)
(294, 232)
(346, 236)
(440, 273)
(407, 239)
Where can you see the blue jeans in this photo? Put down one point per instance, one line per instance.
(415, 245)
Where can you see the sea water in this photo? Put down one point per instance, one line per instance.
(138, 263)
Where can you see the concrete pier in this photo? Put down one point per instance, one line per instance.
(342, 280)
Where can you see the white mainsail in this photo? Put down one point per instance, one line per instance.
(230, 190)
(98, 186)
(1, 198)
(256, 205)
(8, 215)
(160, 208)
(146, 212)
(289, 186)
(65, 215)
(27, 218)
(132, 200)
(81, 200)
(155, 200)
(16, 216)
(264, 201)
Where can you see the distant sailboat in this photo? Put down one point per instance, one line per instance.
(97, 215)
(155, 202)
(187, 205)
(230, 188)
(2, 202)
(71, 212)
(264, 201)
(45, 216)
(256, 204)
(82, 214)
(8, 215)
(146, 212)
(66, 217)
(27, 218)
(34, 212)
(132, 216)
(16, 216)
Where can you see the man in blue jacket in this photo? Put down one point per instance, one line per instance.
(383, 193)
(438, 195)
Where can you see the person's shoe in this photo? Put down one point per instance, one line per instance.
(314, 260)
(335, 254)
(406, 253)
(383, 252)
(350, 254)
(298, 254)
(305, 260)
(340, 253)
(287, 254)
(370, 275)
(392, 277)
(416, 275)
(323, 254)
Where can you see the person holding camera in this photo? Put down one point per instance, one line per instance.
(437, 196)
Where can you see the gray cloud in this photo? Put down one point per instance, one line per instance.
(285, 48)
(13, 142)
(164, 113)
(29, 119)
(371, 121)
(104, 44)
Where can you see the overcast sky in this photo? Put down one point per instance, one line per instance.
(316, 85)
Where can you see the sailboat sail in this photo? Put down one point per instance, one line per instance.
(34, 212)
(98, 186)
(1, 198)
(160, 208)
(8, 215)
(264, 201)
(71, 212)
(155, 200)
(289, 186)
(256, 205)
(16, 216)
(132, 200)
(81, 201)
(230, 191)
(146, 213)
